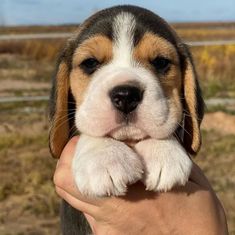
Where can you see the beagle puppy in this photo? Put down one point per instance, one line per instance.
(127, 84)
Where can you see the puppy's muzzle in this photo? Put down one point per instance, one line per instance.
(126, 98)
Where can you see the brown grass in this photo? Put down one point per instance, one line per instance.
(206, 34)
(28, 203)
(216, 158)
(216, 69)
(38, 29)
(205, 31)
(37, 49)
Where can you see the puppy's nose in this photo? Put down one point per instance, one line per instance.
(126, 98)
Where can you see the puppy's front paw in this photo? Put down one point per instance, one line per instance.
(166, 164)
(106, 169)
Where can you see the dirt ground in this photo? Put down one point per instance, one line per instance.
(219, 121)
(20, 76)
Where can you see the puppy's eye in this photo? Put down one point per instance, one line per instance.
(161, 64)
(90, 65)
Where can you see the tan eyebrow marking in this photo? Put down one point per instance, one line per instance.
(151, 46)
(99, 47)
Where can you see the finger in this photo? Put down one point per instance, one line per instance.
(76, 203)
(198, 177)
(63, 176)
(64, 179)
(91, 222)
(68, 152)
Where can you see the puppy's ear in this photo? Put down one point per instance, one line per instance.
(193, 103)
(59, 130)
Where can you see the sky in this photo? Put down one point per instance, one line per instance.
(37, 12)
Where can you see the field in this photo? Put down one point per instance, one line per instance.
(28, 203)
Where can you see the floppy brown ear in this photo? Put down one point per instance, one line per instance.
(193, 104)
(59, 130)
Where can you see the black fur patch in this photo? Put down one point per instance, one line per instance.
(102, 23)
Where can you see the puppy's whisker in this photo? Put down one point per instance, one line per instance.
(184, 129)
(62, 120)
(68, 110)
(186, 113)
(177, 137)
(74, 132)
(58, 124)
(63, 117)
(71, 102)
(192, 116)
(57, 127)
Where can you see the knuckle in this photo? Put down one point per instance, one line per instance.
(58, 190)
(59, 178)
(74, 140)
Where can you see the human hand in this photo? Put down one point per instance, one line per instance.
(192, 209)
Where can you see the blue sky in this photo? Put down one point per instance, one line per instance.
(18, 12)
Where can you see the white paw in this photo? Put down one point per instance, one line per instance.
(106, 168)
(166, 164)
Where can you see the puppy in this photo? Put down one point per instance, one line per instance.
(127, 84)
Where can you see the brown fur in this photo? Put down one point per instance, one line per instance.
(151, 46)
(59, 132)
(193, 106)
(180, 83)
(99, 47)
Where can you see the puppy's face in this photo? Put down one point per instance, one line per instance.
(129, 77)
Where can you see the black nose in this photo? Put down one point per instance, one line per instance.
(126, 98)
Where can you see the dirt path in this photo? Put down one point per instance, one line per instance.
(219, 121)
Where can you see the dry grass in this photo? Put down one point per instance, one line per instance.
(216, 69)
(206, 34)
(205, 31)
(28, 203)
(36, 49)
(38, 29)
(24, 68)
(215, 64)
(20, 75)
(216, 158)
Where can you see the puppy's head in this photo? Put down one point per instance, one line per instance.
(128, 76)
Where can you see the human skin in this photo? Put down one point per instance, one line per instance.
(192, 209)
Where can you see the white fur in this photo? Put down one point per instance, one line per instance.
(96, 116)
(124, 25)
(104, 166)
(165, 163)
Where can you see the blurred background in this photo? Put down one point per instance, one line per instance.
(31, 34)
